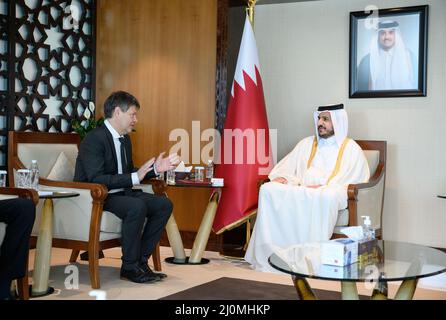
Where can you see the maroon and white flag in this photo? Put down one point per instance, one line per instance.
(245, 152)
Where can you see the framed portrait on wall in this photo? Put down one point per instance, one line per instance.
(388, 52)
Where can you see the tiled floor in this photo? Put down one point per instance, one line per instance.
(63, 278)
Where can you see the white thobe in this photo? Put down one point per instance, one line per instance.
(384, 80)
(290, 214)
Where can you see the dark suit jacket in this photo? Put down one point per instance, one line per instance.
(97, 162)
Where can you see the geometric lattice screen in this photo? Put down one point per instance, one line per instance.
(51, 67)
(3, 80)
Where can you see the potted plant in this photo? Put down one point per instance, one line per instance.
(84, 126)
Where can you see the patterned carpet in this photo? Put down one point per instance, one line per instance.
(238, 289)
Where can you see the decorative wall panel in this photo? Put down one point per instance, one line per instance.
(50, 73)
(3, 81)
(221, 100)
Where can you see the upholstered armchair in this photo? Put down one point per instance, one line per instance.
(8, 193)
(80, 223)
(365, 199)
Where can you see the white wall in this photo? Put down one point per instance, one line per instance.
(304, 56)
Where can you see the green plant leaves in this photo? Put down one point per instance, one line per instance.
(89, 124)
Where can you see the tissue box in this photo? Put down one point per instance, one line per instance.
(339, 252)
(367, 251)
(217, 182)
(340, 272)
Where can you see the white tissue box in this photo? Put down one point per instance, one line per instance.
(217, 182)
(340, 272)
(339, 252)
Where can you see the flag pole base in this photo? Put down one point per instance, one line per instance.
(237, 251)
(233, 252)
(233, 258)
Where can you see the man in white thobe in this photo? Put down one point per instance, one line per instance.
(308, 187)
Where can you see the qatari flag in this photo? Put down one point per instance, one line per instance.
(245, 155)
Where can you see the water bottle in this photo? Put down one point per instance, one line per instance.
(210, 170)
(34, 175)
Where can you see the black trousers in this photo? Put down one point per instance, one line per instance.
(144, 217)
(19, 215)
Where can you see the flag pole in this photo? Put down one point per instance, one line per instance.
(250, 12)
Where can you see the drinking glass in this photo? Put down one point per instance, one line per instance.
(160, 176)
(170, 177)
(199, 174)
(24, 178)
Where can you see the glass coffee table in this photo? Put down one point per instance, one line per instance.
(396, 261)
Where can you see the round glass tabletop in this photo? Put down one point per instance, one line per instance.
(396, 261)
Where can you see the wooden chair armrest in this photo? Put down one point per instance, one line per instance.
(159, 186)
(352, 190)
(98, 191)
(262, 181)
(22, 193)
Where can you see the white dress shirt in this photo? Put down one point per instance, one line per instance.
(116, 136)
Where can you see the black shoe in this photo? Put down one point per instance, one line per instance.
(137, 275)
(145, 267)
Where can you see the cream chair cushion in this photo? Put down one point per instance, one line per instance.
(342, 218)
(46, 154)
(372, 157)
(63, 169)
(110, 223)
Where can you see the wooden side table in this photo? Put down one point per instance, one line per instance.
(42, 260)
(196, 257)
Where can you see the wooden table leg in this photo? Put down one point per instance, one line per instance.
(204, 231)
(42, 261)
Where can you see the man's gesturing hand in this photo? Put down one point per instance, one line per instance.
(168, 163)
(146, 167)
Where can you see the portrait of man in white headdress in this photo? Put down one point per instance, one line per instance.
(391, 61)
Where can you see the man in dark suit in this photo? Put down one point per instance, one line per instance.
(105, 156)
(19, 215)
